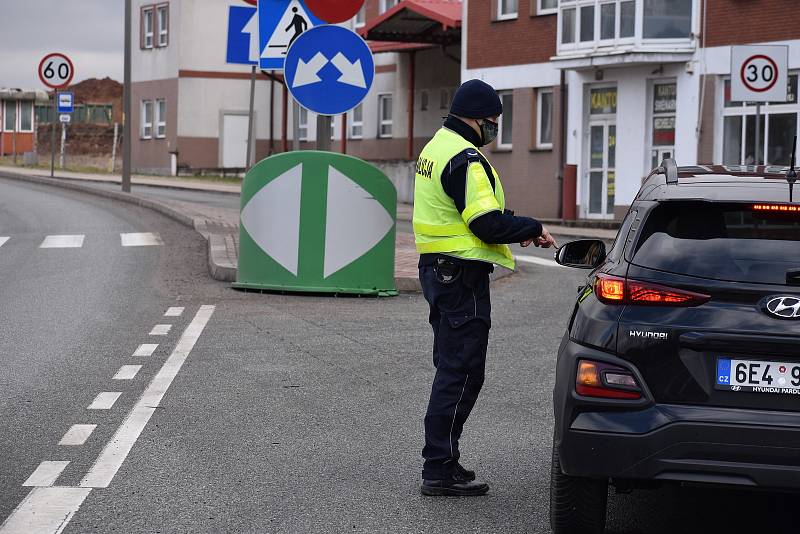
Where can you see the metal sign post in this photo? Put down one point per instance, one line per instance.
(324, 132)
(250, 133)
(126, 103)
(53, 136)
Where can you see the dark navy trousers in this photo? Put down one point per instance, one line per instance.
(460, 314)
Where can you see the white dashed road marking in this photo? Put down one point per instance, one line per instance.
(62, 241)
(537, 261)
(146, 349)
(115, 452)
(46, 474)
(45, 510)
(174, 312)
(144, 239)
(104, 400)
(77, 435)
(127, 372)
(160, 330)
(3, 241)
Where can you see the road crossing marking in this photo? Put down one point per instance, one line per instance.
(3, 240)
(537, 261)
(174, 312)
(146, 349)
(62, 241)
(104, 400)
(141, 239)
(46, 474)
(77, 435)
(117, 449)
(160, 330)
(45, 510)
(127, 372)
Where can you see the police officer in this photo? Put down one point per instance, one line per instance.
(462, 229)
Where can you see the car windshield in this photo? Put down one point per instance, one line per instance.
(733, 242)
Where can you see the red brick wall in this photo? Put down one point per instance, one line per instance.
(526, 39)
(752, 21)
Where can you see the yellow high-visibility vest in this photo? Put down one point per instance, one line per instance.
(438, 226)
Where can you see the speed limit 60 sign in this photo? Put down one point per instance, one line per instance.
(758, 73)
(56, 70)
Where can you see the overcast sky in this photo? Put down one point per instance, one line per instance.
(90, 32)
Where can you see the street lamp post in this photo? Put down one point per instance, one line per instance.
(126, 105)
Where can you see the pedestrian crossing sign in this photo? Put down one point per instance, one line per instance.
(280, 23)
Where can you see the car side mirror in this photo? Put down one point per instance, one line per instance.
(582, 254)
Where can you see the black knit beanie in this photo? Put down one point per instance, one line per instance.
(476, 99)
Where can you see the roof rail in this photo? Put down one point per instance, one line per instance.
(670, 169)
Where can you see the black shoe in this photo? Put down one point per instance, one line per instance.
(453, 487)
(463, 474)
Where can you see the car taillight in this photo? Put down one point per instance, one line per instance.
(597, 379)
(615, 290)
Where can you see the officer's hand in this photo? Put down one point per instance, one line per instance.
(526, 243)
(545, 240)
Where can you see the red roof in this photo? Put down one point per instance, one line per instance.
(418, 21)
(379, 47)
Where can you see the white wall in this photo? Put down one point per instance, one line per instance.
(156, 63)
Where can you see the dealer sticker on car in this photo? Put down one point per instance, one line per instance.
(758, 376)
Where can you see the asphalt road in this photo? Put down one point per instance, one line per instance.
(290, 414)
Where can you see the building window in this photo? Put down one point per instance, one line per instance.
(444, 99)
(357, 122)
(608, 21)
(506, 119)
(161, 118)
(302, 129)
(146, 131)
(361, 17)
(506, 9)
(662, 136)
(10, 115)
(423, 100)
(546, 7)
(544, 119)
(163, 24)
(568, 26)
(627, 19)
(147, 27)
(667, 19)
(386, 5)
(385, 115)
(26, 116)
(587, 23)
(778, 126)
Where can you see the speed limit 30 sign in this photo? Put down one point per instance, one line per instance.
(56, 70)
(759, 73)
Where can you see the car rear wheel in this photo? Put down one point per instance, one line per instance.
(577, 505)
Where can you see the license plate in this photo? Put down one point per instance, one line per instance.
(758, 376)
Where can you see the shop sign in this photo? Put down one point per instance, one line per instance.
(664, 98)
(603, 101)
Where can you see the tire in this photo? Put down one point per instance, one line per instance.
(577, 505)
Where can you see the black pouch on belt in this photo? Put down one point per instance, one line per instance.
(447, 271)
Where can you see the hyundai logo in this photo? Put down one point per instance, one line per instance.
(784, 307)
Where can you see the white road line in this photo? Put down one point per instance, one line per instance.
(62, 241)
(144, 239)
(3, 241)
(146, 349)
(537, 261)
(160, 330)
(117, 449)
(46, 474)
(77, 435)
(127, 372)
(104, 400)
(45, 511)
(174, 312)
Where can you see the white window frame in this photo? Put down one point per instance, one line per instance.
(545, 11)
(360, 20)
(6, 103)
(539, 115)
(386, 5)
(162, 16)
(302, 124)
(148, 13)
(381, 120)
(160, 122)
(146, 128)
(30, 116)
(506, 16)
(501, 143)
(357, 123)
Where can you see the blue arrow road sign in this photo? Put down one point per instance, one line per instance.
(243, 45)
(329, 70)
(280, 23)
(66, 102)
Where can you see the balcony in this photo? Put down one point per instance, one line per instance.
(595, 33)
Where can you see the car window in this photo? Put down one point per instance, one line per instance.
(734, 242)
(615, 253)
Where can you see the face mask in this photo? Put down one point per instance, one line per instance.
(489, 131)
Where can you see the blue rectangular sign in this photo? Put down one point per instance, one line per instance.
(243, 39)
(280, 22)
(66, 102)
